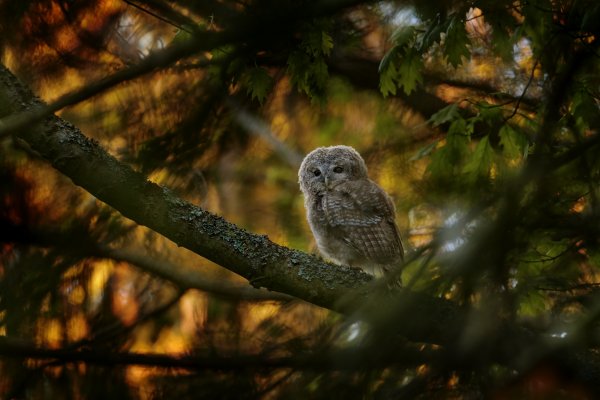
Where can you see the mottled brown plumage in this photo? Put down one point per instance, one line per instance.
(351, 217)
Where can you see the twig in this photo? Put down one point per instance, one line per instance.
(160, 17)
(258, 127)
(188, 278)
(322, 361)
(522, 96)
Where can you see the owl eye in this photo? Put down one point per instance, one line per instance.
(338, 170)
(317, 172)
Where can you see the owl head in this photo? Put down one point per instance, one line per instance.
(325, 167)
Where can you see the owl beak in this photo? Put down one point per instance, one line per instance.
(327, 182)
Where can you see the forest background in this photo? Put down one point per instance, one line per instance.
(153, 238)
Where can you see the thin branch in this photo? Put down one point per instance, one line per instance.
(261, 129)
(191, 278)
(184, 277)
(522, 96)
(117, 328)
(339, 360)
(570, 288)
(157, 16)
(156, 60)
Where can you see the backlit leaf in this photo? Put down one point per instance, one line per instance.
(387, 75)
(446, 114)
(326, 43)
(403, 36)
(514, 143)
(480, 163)
(455, 42)
(446, 161)
(409, 71)
(259, 83)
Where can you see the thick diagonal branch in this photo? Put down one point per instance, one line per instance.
(255, 257)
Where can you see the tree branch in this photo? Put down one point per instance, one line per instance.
(192, 278)
(255, 257)
(323, 361)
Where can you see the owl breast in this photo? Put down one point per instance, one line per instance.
(327, 235)
(353, 225)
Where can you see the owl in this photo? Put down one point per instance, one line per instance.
(351, 217)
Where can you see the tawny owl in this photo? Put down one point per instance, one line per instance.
(351, 217)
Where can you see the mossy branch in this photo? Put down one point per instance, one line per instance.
(255, 257)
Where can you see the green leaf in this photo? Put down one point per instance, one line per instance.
(298, 65)
(584, 108)
(309, 74)
(538, 25)
(459, 128)
(438, 167)
(258, 83)
(317, 42)
(402, 65)
(480, 163)
(182, 36)
(432, 35)
(532, 304)
(594, 257)
(490, 114)
(319, 73)
(409, 71)
(446, 114)
(389, 57)
(549, 250)
(326, 43)
(312, 42)
(455, 42)
(503, 42)
(403, 36)
(590, 19)
(424, 151)
(514, 143)
(446, 161)
(386, 78)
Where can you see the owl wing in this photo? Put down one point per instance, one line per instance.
(363, 216)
